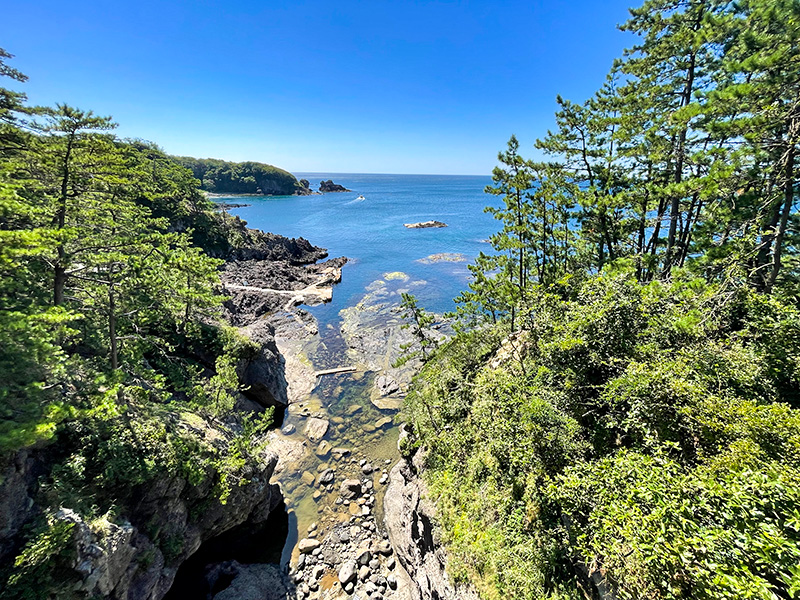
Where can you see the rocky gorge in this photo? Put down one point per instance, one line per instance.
(315, 519)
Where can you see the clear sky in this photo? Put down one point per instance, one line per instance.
(339, 86)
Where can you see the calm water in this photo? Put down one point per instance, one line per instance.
(370, 232)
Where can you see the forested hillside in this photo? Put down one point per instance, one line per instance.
(223, 177)
(620, 416)
(117, 372)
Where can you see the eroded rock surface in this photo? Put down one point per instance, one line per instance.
(410, 520)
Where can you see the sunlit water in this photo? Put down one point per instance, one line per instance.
(371, 234)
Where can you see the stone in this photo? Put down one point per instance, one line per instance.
(323, 449)
(317, 571)
(307, 477)
(353, 409)
(383, 422)
(363, 572)
(424, 225)
(363, 555)
(308, 545)
(391, 580)
(326, 477)
(384, 547)
(316, 429)
(384, 479)
(347, 572)
(368, 428)
(367, 469)
(340, 452)
(386, 385)
(288, 429)
(351, 489)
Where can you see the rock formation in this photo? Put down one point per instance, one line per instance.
(410, 519)
(425, 224)
(329, 186)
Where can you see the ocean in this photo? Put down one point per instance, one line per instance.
(371, 234)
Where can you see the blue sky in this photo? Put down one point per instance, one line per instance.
(337, 86)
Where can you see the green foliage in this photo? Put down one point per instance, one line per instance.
(645, 433)
(114, 363)
(224, 177)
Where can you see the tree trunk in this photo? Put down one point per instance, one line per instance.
(680, 151)
(788, 195)
(60, 269)
(112, 327)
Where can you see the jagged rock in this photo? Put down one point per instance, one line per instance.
(329, 186)
(262, 372)
(409, 518)
(351, 489)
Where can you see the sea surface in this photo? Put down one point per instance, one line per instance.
(371, 234)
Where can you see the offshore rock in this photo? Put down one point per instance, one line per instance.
(425, 225)
(329, 186)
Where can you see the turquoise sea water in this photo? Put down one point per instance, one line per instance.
(370, 232)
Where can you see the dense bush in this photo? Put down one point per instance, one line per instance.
(643, 433)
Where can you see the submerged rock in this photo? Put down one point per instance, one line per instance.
(316, 429)
(425, 224)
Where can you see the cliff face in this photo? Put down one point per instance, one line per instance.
(410, 519)
(159, 524)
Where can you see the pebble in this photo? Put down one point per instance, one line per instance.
(288, 429)
(363, 572)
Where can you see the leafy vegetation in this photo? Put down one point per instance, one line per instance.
(223, 177)
(115, 364)
(619, 415)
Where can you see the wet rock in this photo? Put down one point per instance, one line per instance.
(288, 429)
(353, 409)
(323, 449)
(383, 422)
(351, 489)
(386, 385)
(340, 452)
(307, 477)
(316, 429)
(326, 477)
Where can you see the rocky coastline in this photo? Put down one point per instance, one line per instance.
(359, 544)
